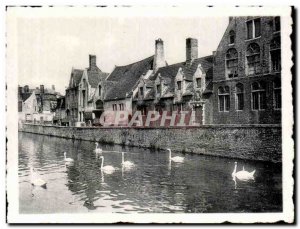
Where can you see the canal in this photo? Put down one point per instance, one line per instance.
(154, 185)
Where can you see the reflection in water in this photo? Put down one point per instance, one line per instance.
(154, 184)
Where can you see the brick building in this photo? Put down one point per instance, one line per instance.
(180, 87)
(247, 72)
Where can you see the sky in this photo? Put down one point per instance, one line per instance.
(48, 47)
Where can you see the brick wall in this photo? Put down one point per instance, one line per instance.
(249, 116)
(255, 142)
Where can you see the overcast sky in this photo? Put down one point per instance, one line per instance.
(48, 48)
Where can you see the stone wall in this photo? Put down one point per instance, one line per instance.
(254, 142)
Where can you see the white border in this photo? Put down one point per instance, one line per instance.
(182, 11)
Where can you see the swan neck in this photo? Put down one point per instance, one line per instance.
(102, 161)
(170, 154)
(234, 171)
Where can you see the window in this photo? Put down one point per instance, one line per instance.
(253, 28)
(141, 91)
(224, 99)
(99, 90)
(19, 106)
(277, 94)
(114, 107)
(198, 82)
(276, 24)
(239, 97)
(121, 106)
(231, 37)
(179, 85)
(258, 96)
(275, 54)
(231, 63)
(83, 98)
(158, 88)
(253, 59)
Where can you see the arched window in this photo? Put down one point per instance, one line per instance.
(253, 59)
(275, 54)
(277, 93)
(224, 98)
(258, 96)
(231, 37)
(99, 90)
(239, 96)
(231, 63)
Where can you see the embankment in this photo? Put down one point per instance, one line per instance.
(254, 142)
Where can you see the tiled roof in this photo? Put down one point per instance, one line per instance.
(189, 69)
(126, 78)
(169, 73)
(95, 75)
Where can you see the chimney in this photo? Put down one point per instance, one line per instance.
(191, 49)
(53, 88)
(159, 58)
(20, 90)
(230, 19)
(42, 89)
(26, 88)
(93, 63)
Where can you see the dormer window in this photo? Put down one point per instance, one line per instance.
(231, 37)
(179, 85)
(99, 90)
(141, 91)
(198, 82)
(158, 88)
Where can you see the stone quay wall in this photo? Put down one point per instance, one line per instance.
(252, 142)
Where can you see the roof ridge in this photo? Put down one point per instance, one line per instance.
(135, 62)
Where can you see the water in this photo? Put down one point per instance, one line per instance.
(200, 184)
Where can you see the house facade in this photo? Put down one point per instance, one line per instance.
(124, 80)
(37, 105)
(181, 88)
(60, 117)
(247, 72)
(90, 105)
(72, 97)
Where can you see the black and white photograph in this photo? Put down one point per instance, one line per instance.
(149, 114)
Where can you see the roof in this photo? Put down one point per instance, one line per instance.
(126, 77)
(95, 75)
(77, 74)
(190, 68)
(24, 96)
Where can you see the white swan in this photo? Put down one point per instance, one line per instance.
(126, 164)
(243, 174)
(97, 150)
(66, 159)
(35, 180)
(108, 168)
(175, 159)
